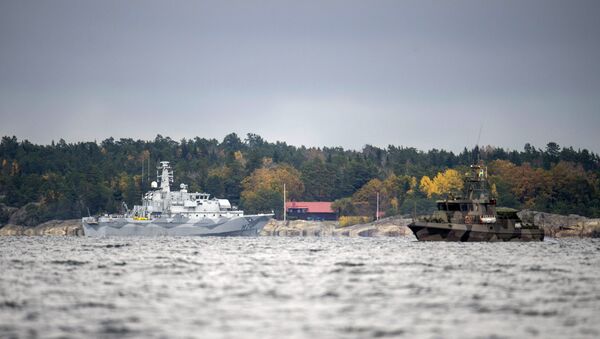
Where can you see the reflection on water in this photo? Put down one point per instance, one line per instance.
(297, 287)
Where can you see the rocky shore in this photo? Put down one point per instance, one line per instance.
(71, 227)
(555, 226)
(562, 226)
(388, 227)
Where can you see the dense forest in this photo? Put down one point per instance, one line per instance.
(69, 180)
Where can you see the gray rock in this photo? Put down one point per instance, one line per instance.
(556, 225)
(5, 213)
(70, 227)
(29, 215)
(387, 227)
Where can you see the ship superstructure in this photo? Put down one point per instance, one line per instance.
(166, 212)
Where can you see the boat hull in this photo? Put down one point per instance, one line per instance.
(248, 225)
(425, 231)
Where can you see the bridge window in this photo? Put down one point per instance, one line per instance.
(453, 207)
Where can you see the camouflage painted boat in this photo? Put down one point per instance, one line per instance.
(178, 213)
(474, 218)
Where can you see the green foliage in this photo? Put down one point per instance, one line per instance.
(263, 189)
(68, 179)
(4, 215)
(417, 204)
(319, 180)
(344, 206)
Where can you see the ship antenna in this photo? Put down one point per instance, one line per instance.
(477, 144)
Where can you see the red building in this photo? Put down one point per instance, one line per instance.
(313, 210)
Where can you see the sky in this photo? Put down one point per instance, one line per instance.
(425, 74)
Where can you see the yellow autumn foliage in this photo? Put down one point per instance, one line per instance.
(445, 182)
(263, 189)
(15, 168)
(353, 220)
(239, 157)
(392, 192)
(427, 186)
(413, 185)
(221, 172)
(273, 178)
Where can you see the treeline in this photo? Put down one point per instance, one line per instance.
(69, 180)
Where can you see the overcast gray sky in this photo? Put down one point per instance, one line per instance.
(419, 73)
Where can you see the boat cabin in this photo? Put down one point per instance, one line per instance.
(468, 207)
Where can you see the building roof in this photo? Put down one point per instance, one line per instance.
(311, 206)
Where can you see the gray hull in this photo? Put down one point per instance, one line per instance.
(248, 225)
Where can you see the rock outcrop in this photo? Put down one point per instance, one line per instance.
(28, 215)
(388, 227)
(5, 213)
(70, 227)
(560, 226)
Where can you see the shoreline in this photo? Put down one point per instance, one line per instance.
(386, 227)
(389, 227)
(69, 227)
(554, 225)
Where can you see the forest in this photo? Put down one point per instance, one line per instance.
(70, 180)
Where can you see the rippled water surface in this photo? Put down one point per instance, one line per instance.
(269, 287)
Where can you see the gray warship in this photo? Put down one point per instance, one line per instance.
(176, 213)
(474, 217)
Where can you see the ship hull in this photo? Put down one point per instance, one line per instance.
(248, 225)
(425, 231)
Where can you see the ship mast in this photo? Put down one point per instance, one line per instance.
(476, 183)
(166, 177)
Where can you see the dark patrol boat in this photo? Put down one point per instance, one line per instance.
(474, 217)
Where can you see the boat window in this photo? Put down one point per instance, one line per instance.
(464, 207)
(453, 207)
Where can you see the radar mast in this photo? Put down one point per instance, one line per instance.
(166, 176)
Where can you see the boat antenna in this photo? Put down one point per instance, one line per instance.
(477, 144)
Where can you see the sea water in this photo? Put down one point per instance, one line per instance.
(272, 287)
